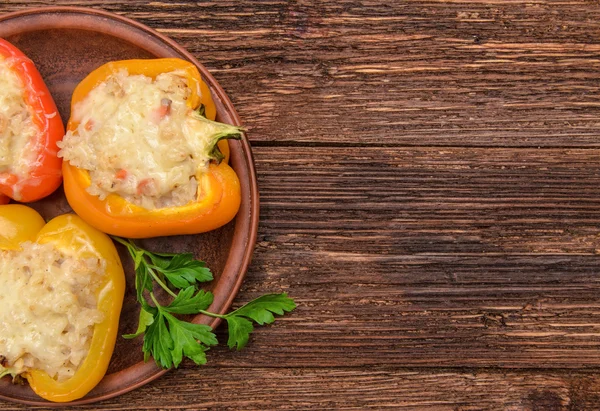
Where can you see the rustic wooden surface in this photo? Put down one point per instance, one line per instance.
(430, 187)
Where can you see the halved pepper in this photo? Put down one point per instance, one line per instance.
(70, 234)
(218, 197)
(44, 174)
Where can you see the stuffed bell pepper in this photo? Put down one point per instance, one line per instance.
(143, 156)
(63, 284)
(30, 126)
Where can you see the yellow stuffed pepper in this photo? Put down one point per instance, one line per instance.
(63, 283)
(143, 156)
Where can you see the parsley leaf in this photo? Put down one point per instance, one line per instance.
(239, 330)
(137, 255)
(189, 339)
(143, 281)
(188, 303)
(146, 319)
(181, 270)
(261, 309)
(169, 339)
(158, 342)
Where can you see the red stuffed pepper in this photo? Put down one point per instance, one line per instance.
(30, 126)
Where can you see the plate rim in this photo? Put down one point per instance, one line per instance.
(245, 152)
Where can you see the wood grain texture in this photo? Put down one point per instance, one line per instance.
(430, 195)
(352, 389)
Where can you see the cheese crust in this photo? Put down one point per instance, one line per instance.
(137, 138)
(18, 143)
(48, 308)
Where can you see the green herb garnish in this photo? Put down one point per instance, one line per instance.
(167, 338)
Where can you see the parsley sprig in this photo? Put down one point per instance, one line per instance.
(168, 338)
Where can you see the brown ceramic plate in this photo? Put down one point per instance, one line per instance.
(66, 43)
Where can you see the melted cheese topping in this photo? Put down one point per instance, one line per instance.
(48, 308)
(138, 139)
(18, 145)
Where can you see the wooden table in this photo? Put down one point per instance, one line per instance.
(430, 195)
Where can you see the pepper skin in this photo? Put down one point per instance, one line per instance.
(45, 176)
(71, 234)
(4, 199)
(218, 198)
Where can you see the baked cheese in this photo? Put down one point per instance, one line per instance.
(138, 139)
(18, 145)
(48, 308)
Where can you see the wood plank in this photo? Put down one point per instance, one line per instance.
(358, 389)
(432, 73)
(429, 200)
(360, 310)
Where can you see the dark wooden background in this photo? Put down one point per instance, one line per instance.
(430, 184)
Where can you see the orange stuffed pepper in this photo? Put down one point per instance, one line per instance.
(143, 156)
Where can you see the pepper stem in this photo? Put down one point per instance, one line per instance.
(218, 131)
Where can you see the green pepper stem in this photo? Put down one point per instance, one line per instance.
(218, 131)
